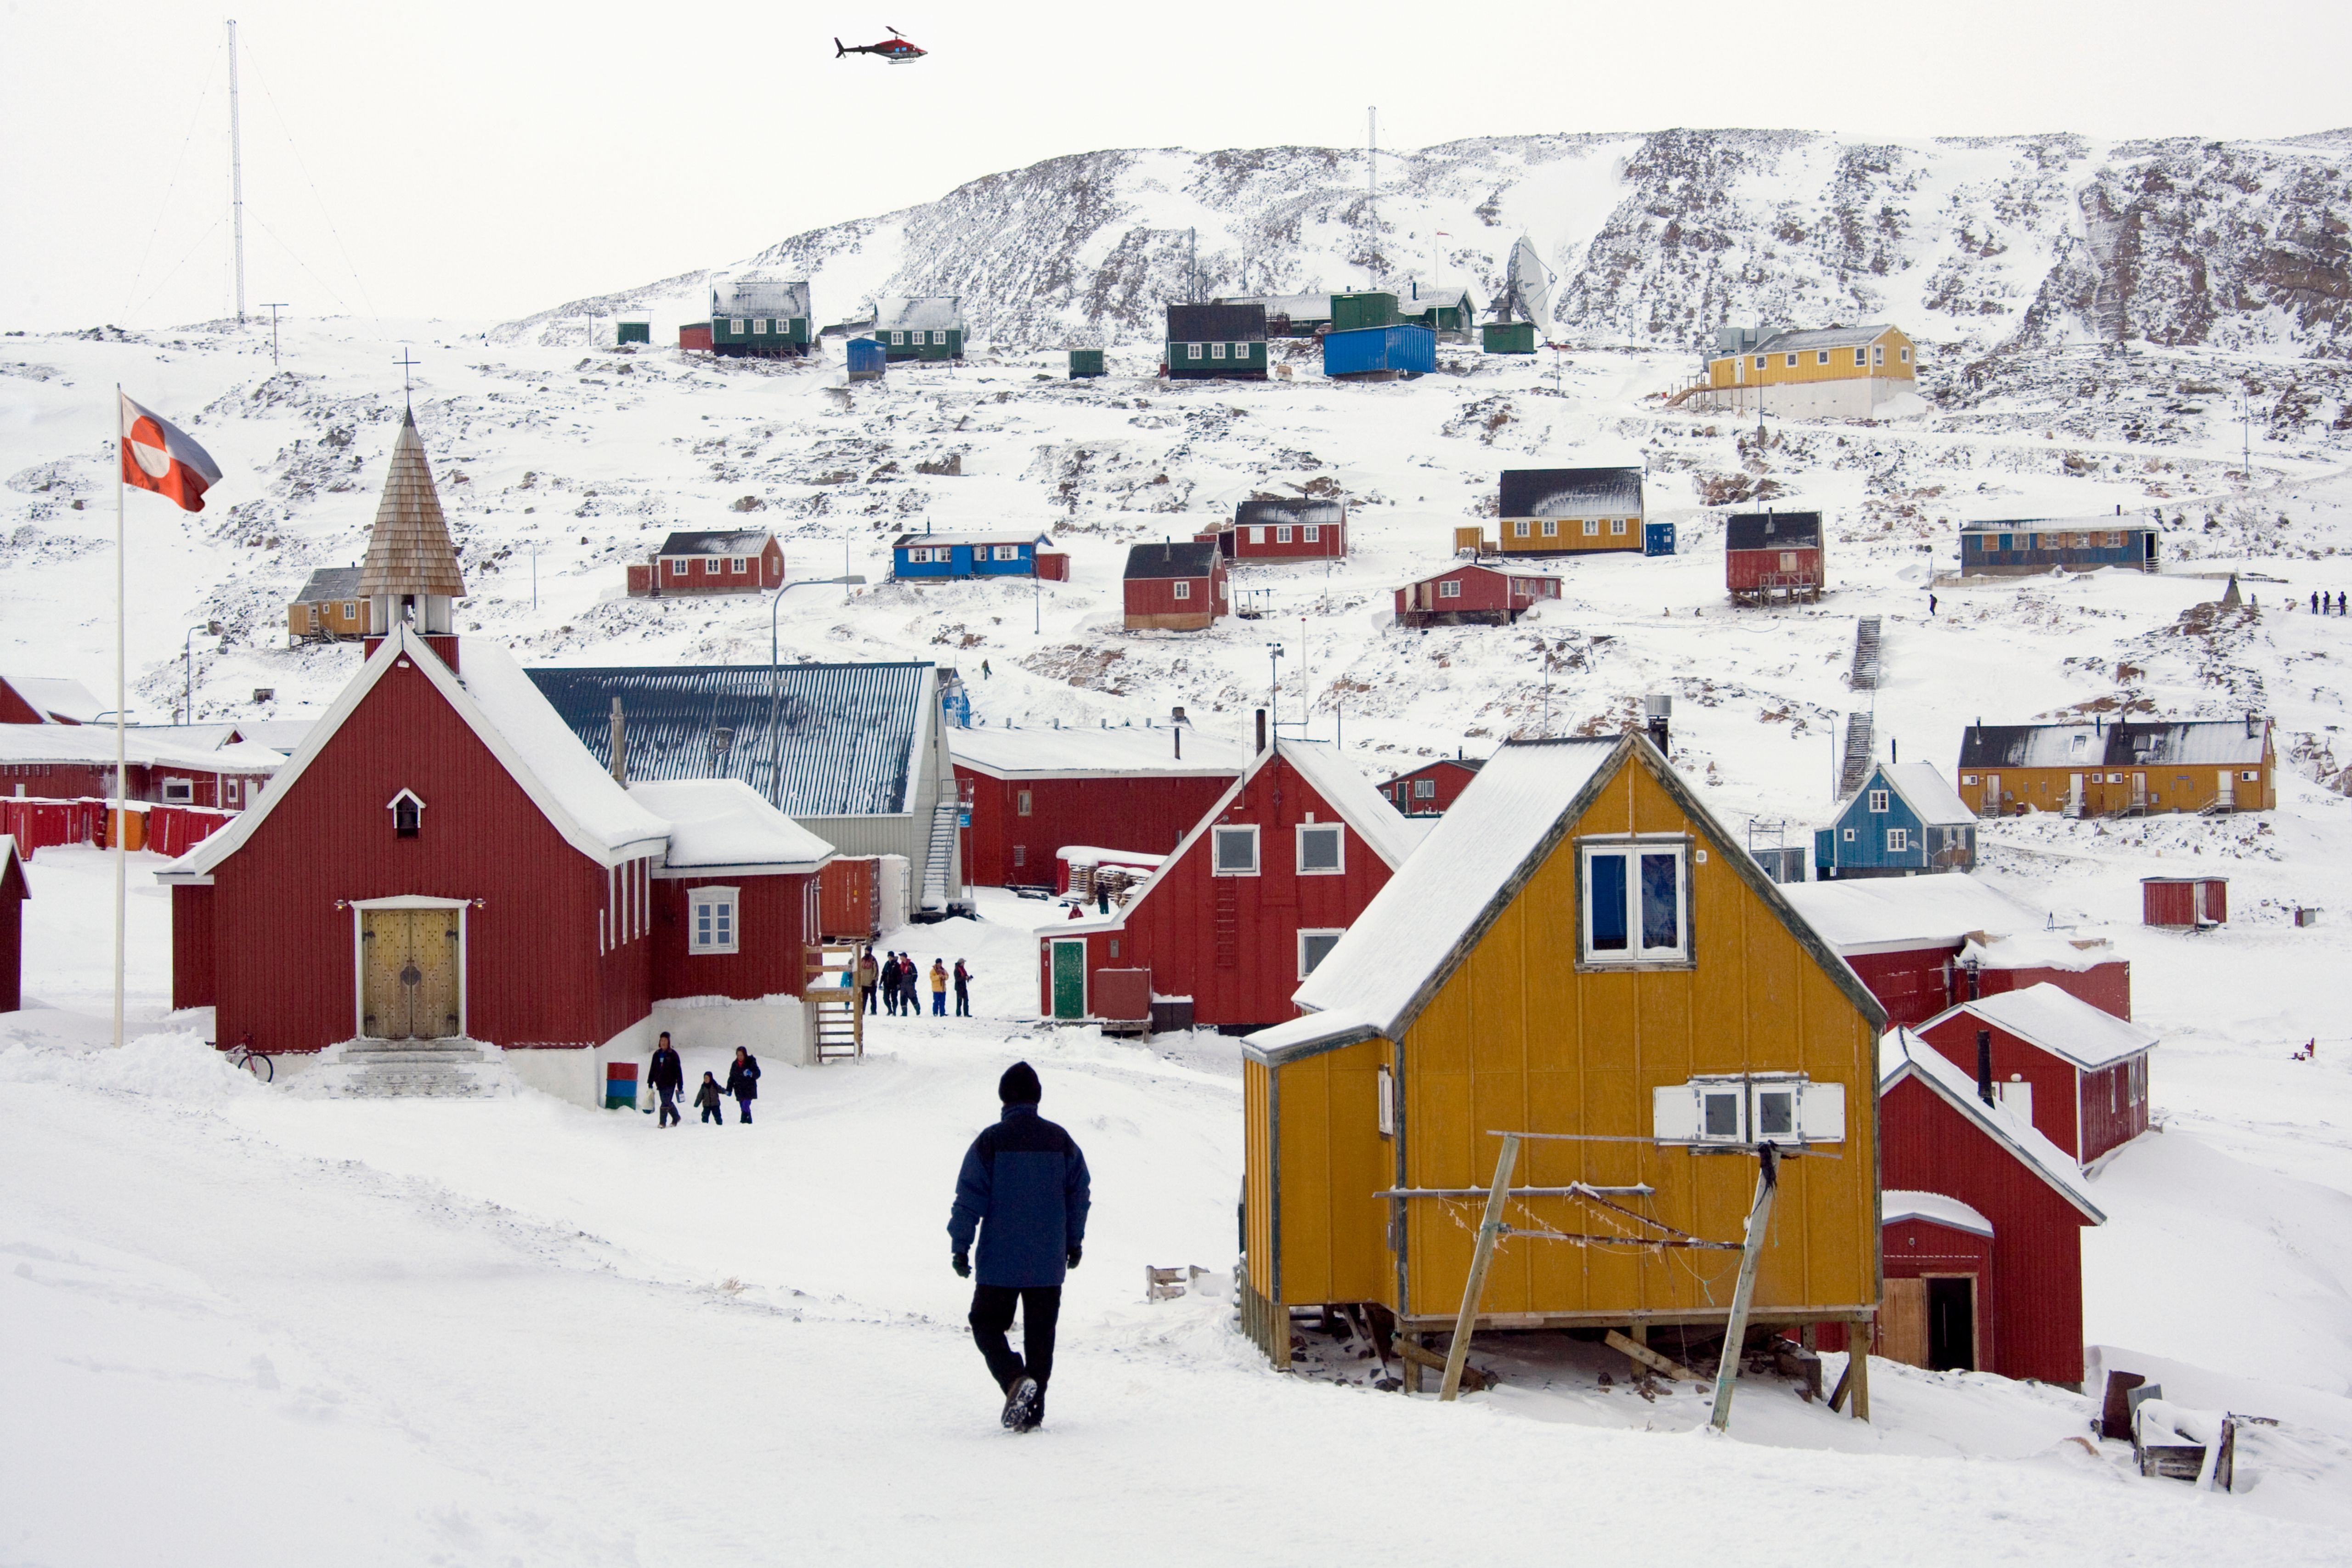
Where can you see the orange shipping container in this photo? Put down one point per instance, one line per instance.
(849, 898)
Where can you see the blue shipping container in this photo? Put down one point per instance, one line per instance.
(1411, 350)
(866, 358)
(1657, 539)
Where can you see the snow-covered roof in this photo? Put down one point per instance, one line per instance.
(93, 745)
(521, 729)
(1894, 914)
(1262, 512)
(1297, 307)
(284, 736)
(1902, 1053)
(1169, 559)
(1822, 338)
(1773, 531)
(2060, 1023)
(194, 737)
(56, 698)
(1004, 752)
(1414, 299)
(1030, 537)
(8, 856)
(2195, 743)
(2097, 523)
(1381, 970)
(1088, 855)
(755, 294)
(892, 315)
(723, 825)
(1359, 801)
(716, 542)
(1896, 1205)
(1570, 492)
(2040, 949)
(1496, 568)
(328, 582)
(1923, 789)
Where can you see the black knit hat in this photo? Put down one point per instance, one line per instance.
(1019, 1085)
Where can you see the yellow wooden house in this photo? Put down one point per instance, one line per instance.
(1580, 950)
(1825, 372)
(1568, 512)
(330, 608)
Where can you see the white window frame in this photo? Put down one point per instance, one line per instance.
(1338, 833)
(1792, 362)
(1905, 355)
(1006, 551)
(2249, 775)
(759, 326)
(1551, 528)
(1816, 1114)
(351, 609)
(1314, 532)
(1240, 351)
(1334, 932)
(1847, 836)
(1822, 356)
(1878, 353)
(1879, 800)
(1191, 350)
(679, 566)
(1861, 359)
(1282, 533)
(726, 907)
(1217, 838)
(1634, 952)
(1216, 351)
(1257, 533)
(1592, 528)
(710, 566)
(1519, 530)
(1181, 588)
(1023, 801)
(1425, 789)
(899, 339)
(1450, 588)
(1387, 1082)
(737, 564)
(1898, 841)
(735, 326)
(179, 792)
(1617, 524)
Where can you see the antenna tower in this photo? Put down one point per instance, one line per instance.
(1372, 190)
(235, 175)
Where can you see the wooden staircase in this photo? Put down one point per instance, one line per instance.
(1863, 676)
(840, 1015)
(1855, 766)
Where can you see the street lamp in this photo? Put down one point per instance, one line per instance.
(776, 604)
(188, 657)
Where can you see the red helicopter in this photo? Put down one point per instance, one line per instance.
(895, 48)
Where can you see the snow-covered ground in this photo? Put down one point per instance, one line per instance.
(241, 1325)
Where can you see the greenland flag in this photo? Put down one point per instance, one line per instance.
(157, 456)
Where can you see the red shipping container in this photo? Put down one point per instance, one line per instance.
(849, 899)
(2187, 902)
(1122, 995)
(695, 336)
(1053, 565)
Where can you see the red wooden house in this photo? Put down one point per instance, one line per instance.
(13, 894)
(724, 560)
(1428, 790)
(1923, 944)
(76, 762)
(1174, 588)
(1981, 1223)
(2187, 903)
(1283, 530)
(442, 859)
(1773, 557)
(1472, 594)
(45, 699)
(1249, 902)
(2078, 1073)
(1032, 791)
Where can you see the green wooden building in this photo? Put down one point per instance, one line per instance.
(1086, 363)
(919, 328)
(1354, 312)
(1207, 342)
(1445, 311)
(754, 314)
(1510, 337)
(1288, 315)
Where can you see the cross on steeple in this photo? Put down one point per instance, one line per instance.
(406, 364)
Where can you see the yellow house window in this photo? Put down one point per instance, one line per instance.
(1792, 362)
(1760, 362)
(1551, 528)
(1616, 525)
(1858, 358)
(1519, 530)
(1591, 526)
(1878, 353)
(1906, 356)
(1823, 357)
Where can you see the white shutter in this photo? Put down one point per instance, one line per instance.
(1674, 1114)
(1821, 1113)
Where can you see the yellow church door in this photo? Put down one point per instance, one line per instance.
(408, 973)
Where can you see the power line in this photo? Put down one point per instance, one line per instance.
(175, 266)
(288, 132)
(187, 140)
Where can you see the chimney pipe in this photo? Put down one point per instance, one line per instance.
(1894, 750)
(1177, 730)
(620, 746)
(1261, 729)
(1656, 711)
(1984, 1065)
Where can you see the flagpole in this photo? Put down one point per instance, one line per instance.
(122, 824)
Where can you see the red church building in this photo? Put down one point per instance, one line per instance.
(1032, 793)
(442, 863)
(2076, 1072)
(1249, 902)
(1981, 1223)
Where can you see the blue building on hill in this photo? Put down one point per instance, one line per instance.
(1906, 819)
(929, 556)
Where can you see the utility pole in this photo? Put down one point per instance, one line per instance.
(235, 176)
(273, 307)
(1372, 193)
(1274, 687)
(1191, 266)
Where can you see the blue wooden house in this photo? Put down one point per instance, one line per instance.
(2024, 546)
(1905, 820)
(928, 556)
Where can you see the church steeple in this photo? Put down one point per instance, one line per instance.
(410, 571)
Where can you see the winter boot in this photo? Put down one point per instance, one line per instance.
(1037, 1417)
(1021, 1405)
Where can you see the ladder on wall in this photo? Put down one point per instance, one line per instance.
(1856, 767)
(838, 1017)
(1863, 677)
(941, 853)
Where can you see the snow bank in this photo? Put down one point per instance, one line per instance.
(176, 1067)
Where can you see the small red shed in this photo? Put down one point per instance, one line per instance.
(695, 336)
(13, 894)
(1980, 1233)
(1250, 900)
(1174, 588)
(2187, 903)
(1773, 557)
(1034, 791)
(1428, 790)
(45, 699)
(2079, 1074)
(1472, 594)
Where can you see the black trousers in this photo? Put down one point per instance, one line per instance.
(992, 1315)
(711, 1113)
(668, 1105)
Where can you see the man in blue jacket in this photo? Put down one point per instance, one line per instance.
(1023, 1188)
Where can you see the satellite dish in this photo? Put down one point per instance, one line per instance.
(1527, 287)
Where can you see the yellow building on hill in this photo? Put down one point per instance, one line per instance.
(1831, 373)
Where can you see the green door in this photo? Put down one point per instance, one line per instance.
(1069, 980)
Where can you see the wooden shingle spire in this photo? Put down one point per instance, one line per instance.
(409, 551)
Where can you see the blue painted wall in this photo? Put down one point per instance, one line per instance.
(1865, 853)
(963, 564)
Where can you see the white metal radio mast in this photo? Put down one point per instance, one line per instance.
(235, 176)
(1372, 189)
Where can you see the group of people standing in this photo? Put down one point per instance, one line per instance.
(899, 980)
(668, 1079)
(2320, 604)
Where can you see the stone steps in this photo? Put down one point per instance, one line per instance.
(405, 1069)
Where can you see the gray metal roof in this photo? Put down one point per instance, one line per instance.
(1773, 531)
(329, 582)
(1264, 512)
(1170, 559)
(1824, 338)
(757, 295)
(723, 542)
(814, 739)
(2199, 742)
(1571, 492)
(1032, 537)
(2095, 523)
(1296, 307)
(910, 315)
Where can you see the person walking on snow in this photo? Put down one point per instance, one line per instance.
(707, 1100)
(868, 977)
(1023, 1188)
(939, 989)
(890, 985)
(743, 1081)
(963, 990)
(667, 1077)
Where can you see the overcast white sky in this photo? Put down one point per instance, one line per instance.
(479, 160)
